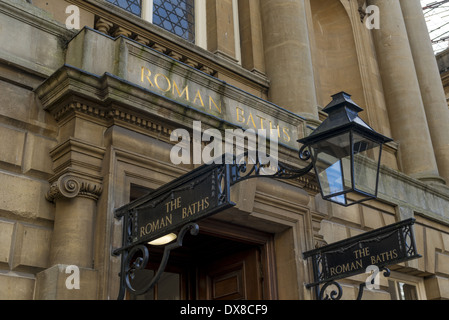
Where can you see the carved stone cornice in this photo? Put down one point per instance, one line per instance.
(111, 114)
(93, 110)
(69, 186)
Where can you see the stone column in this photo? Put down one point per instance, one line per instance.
(402, 94)
(72, 241)
(287, 56)
(432, 92)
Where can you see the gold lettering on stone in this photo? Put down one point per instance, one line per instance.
(196, 97)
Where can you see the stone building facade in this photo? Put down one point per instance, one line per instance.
(86, 116)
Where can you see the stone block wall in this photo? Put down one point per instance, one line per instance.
(27, 135)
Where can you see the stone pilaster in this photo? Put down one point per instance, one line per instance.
(220, 29)
(429, 79)
(75, 199)
(72, 245)
(251, 36)
(287, 56)
(402, 94)
(75, 187)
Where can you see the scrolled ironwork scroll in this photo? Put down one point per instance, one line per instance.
(131, 263)
(334, 294)
(337, 293)
(251, 165)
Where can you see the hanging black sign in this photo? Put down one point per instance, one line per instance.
(192, 197)
(382, 247)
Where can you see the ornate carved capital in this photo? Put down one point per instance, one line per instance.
(69, 186)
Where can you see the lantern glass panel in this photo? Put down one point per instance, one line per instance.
(333, 166)
(366, 163)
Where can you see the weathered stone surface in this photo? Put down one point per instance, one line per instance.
(58, 283)
(16, 287)
(31, 246)
(23, 197)
(39, 48)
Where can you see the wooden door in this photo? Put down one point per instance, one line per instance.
(234, 277)
(223, 262)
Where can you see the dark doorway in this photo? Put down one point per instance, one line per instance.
(223, 262)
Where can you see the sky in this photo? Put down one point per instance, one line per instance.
(438, 23)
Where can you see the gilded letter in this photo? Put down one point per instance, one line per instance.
(252, 120)
(154, 225)
(286, 135)
(261, 121)
(147, 76)
(345, 267)
(237, 109)
(168, 206)
(278, 129)
(169, 219)
(211, 101)
(198, 96)
(166, 79)
(180, 94)
(146, 228)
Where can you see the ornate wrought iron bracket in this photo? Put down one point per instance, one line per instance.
(337, 294)
(132, 262)
(249, 166)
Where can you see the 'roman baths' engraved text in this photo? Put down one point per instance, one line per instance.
(166, 85)
(188, 92)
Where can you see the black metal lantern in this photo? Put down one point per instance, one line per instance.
(345, 153)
